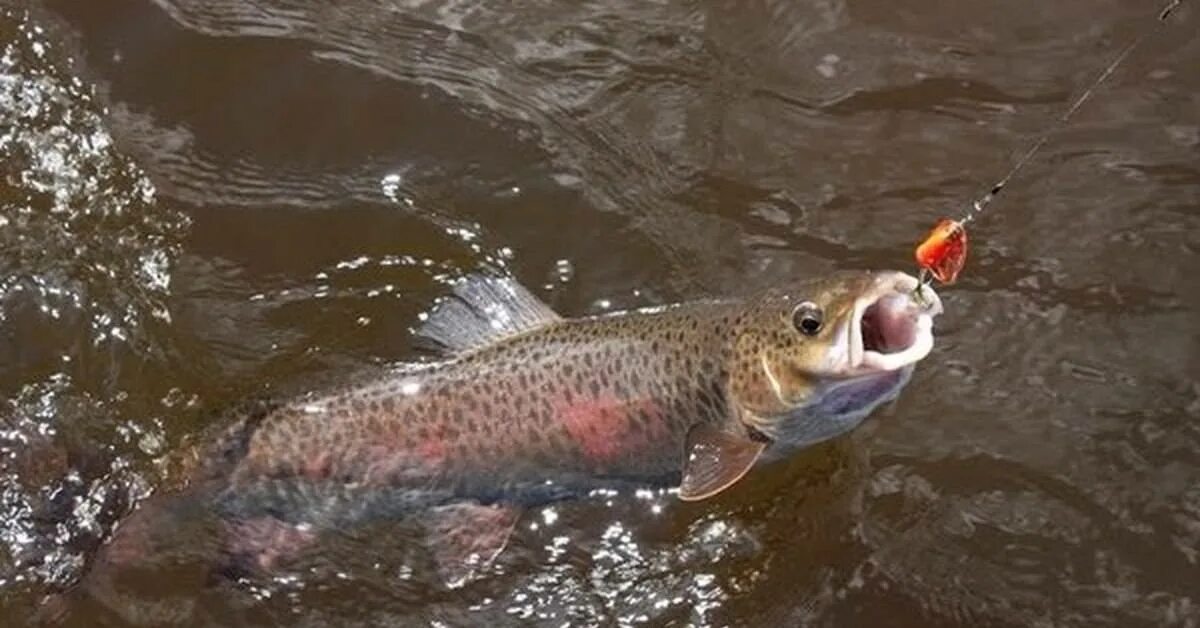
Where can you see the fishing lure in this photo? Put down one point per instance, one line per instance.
(943, 253)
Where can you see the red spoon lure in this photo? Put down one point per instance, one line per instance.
(944, 251)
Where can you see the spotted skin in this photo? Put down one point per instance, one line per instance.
(542, 414)
(578, 402)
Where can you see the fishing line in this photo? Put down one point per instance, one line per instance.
(943, 252)
(980, 203)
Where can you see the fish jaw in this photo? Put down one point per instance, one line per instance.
(890, 328)
(839, 408)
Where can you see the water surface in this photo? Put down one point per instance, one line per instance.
(206, 199)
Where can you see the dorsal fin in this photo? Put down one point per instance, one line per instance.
(481, 310)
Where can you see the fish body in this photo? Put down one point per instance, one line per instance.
(525, 407)
(577, 403)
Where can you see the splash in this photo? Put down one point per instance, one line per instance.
(82, 237)
(86, 260)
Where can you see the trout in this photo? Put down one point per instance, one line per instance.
(524, 407)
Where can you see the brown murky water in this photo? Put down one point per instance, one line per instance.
(203, 199)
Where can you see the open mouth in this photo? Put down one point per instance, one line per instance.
(891, 327)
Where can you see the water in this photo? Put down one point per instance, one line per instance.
(201, 200)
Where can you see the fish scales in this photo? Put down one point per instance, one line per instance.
(525, 407)
(580, 401)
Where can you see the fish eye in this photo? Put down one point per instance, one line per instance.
(807, 318)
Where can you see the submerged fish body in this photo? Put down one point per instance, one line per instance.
(526, 407)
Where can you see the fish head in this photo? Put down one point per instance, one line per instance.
(811, 361)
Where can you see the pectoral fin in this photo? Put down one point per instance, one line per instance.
(715, 459)
(467, 536)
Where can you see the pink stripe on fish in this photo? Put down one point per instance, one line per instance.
(607, 428)
(433, 451)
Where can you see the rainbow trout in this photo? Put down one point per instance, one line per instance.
(527, 407)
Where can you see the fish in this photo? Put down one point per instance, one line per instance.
(521, 407)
